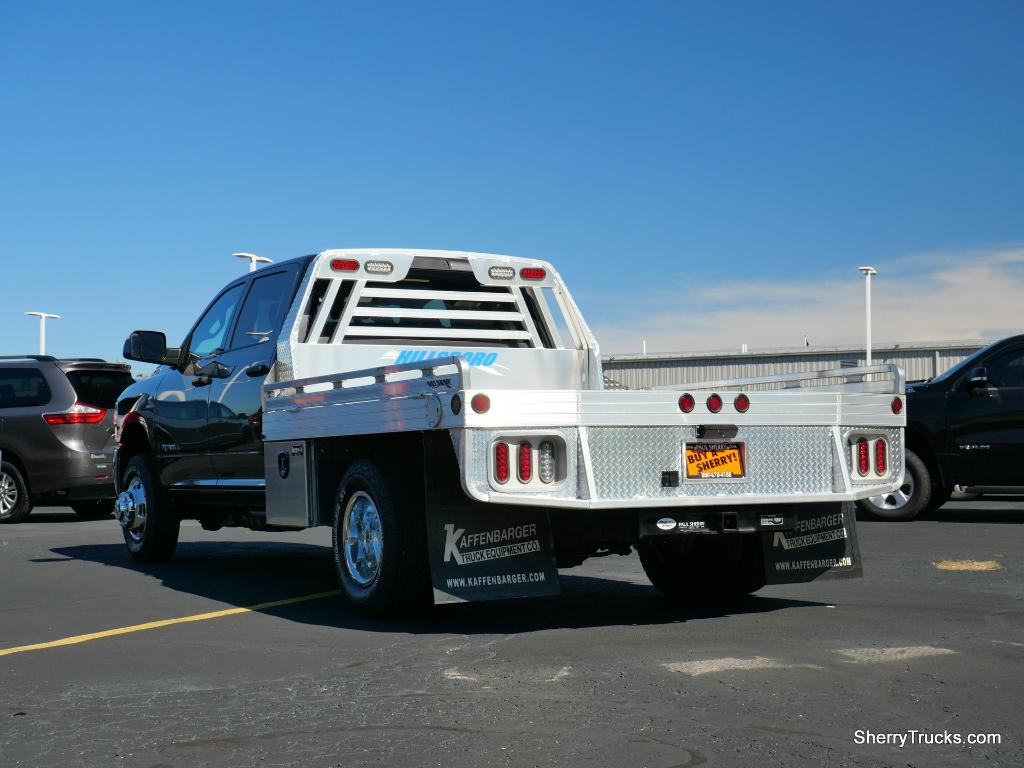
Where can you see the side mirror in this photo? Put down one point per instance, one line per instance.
(148, 347)
(978, 379)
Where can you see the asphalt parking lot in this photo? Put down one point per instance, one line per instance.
(608, 675)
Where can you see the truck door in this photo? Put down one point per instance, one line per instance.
(987, 423)
(181, 403)
(236, 410)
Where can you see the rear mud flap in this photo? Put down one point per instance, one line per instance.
(823, 545)
(488, 552)
(479, 551)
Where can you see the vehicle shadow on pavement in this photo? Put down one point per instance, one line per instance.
(970, 512)
(962, 512)
(247, 574)
(63, 517)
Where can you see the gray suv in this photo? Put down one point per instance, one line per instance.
(56, 434)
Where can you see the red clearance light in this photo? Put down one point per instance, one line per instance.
(686, 403)
(881, 456)
(897, 406)
(79, 413)
(525, 461)
(715, 403)
(344, 265)
(862, 457)
(742, 403)
(532, 273)
(501, 462)
(480, 403)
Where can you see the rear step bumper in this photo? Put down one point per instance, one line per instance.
(675, 522)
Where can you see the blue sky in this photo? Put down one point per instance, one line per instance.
(703, 175)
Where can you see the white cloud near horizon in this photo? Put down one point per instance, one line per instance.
(925, 297)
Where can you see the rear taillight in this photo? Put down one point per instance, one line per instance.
(715, 403)
(480, 403)
(546, 462)
(501, 462)
(525, 461)
(897, 406)
(742, 403)
(344, 265)
(881, 456)
(863, 463)
(79, 413)
(686, 403)
(532, 273)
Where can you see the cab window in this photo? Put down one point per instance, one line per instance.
(261, 312)
(1007, 370)
(210, 335)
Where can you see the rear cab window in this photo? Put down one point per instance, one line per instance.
(263, 309)
(99, 388)
(23, 388)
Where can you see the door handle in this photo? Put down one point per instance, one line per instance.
(200, 381)
(257, 369)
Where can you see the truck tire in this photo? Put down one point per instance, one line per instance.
(93, 510)
(148, 521)
(939, 497)
(15, 505)
(379, 541)
(909, 500)
(702, 568)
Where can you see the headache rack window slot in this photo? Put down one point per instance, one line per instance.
(313, 306)
(447, 306)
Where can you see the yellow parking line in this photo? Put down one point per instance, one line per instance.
(165, 623)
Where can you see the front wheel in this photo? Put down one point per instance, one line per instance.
(379, 538)
(701, 568)
(907, 501)
(148, 521)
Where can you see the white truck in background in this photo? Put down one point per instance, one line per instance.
(444, 412)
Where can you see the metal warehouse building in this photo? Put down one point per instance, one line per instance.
(919, 360)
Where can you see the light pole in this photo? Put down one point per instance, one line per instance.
(868, 272)
(253, 259)
(42, 328)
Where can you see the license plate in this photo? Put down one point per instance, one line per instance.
(715, 461)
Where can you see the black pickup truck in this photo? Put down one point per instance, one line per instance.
(965, 427)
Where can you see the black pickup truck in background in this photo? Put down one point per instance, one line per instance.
(965, 428)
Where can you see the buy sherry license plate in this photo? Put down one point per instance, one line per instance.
(715, 461)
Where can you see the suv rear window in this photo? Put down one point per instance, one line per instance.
(99, 388)
(22, 388)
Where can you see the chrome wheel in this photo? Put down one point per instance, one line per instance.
(131, 509)
(8, 494)
(896, 499)
(362, 539)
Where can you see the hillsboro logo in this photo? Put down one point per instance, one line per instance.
(491, 545)
(479, 359)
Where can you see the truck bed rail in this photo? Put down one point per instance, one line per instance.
(879, 379)
(393, 398)
(380, 375)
